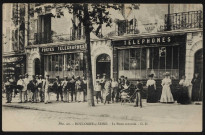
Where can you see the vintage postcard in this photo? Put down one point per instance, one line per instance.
(125, 67)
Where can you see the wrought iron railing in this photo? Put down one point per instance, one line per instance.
(183, 20)
(42, 38)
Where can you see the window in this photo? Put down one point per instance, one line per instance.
(140, 62)
(64, 64)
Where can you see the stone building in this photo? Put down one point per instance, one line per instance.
(132, 46)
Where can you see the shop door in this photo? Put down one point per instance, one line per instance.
(37, 67)
(103, 65)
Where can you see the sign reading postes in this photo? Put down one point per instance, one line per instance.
(63, 48)
(151, 40)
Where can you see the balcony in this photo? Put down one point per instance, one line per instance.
(183, 20)
(52, 37)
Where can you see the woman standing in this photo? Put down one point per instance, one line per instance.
(183, 93)
(151, 93)
(196, 87)
(166, 96)
(107, 91)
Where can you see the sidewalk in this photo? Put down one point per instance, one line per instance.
(153, 111)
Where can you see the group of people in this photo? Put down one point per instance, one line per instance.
(38, 89)
(108, 90)
(183, 92)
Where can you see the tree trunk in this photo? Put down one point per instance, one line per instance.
(90, 91)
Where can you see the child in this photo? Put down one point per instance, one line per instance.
(98, 89)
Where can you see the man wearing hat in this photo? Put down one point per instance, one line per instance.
(72, 88)
(27, 92)
(58, 88)
(40, 92)
(46, 88)
(22, 88)
(13, 83)
(79, 89)
(65, 89)
(34, 88)
(8, 87)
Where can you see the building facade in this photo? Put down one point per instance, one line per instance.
(138, 42)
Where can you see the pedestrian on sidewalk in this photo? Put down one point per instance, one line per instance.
(65, 89)
(183, 97)
(72, 88)
(13, 82)
(46, 88)
(138, 90)
(151, 92)
(98, 90)
(84, 88)
(34, 89)
(115, 90)
(166, 96)
(58, 88)
(21, 86)
(79, 89)
(9, 88)
(107, 91)
(40, 90)
(27, 92)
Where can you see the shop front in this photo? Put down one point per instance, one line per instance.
(14, 65)
(57, 60)
(138, 57)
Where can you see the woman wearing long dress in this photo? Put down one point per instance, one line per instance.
(183, 93)
(151, 93)
(166, 96)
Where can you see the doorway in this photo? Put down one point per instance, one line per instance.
(37, 66)
(198, 68)
(103, 65)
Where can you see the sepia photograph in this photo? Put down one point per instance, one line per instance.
(102, 67)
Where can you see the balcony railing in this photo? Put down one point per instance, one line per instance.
(50, 37)
(42, 38)
(183, 20)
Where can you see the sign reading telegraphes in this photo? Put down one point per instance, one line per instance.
(161, 40)
(63, 48)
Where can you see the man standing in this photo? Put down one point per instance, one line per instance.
(27, 92)
(57, 87)
(65, 89)
(12, 81)
(8, 86)
(40, 92)
(34, 88)
(79, 89)
(21, 87)
(72, 88)
(115, 91)
(46, 86)
(138, 91)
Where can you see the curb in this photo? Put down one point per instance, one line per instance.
(124, 117)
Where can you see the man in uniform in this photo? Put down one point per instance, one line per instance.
(9, 89)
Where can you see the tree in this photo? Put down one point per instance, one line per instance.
(89, 15)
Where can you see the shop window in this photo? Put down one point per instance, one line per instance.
(140, 62)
